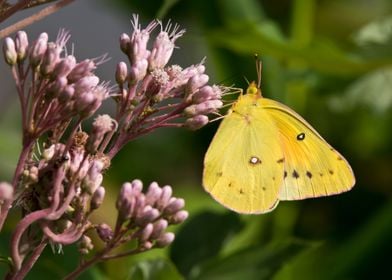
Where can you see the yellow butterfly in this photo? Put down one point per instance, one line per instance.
(264, 152)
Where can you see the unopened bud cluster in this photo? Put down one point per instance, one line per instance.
(62, 87)
(146, 216)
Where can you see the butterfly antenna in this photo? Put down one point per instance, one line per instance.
(259, 68)
(247, 81)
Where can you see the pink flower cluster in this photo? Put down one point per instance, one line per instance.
(145, 216)
(148, 80)
(59, 175)
(61, 87)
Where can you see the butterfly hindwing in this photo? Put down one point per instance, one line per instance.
(312, 168)
(237, 168)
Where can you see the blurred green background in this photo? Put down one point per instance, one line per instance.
(329, 60)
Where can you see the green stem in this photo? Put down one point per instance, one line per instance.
(302, 31)
(302, 22)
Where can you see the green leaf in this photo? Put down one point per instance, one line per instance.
(202, 238)
(320, 54)
(258, 262)
(158, 269)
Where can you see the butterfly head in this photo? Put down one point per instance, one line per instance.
(253, 89)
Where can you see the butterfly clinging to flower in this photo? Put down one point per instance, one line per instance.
(264, 152)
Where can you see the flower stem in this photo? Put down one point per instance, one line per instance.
(36, 17)
(83, 266)
(31, 261)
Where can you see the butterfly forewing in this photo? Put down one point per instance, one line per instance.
(312, 167)
(237, 167)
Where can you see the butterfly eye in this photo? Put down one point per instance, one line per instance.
(301, 136)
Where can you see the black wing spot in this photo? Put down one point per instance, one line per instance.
(309, 174)
(321, 174)
(230, 184)
(280, 160)
(301, 136)
(295, 174)
(219, 174)
(340, 158)
(263, 188)
(273, 178)
(254, 160)
(241, 191)
(285, 174)
(330, 172)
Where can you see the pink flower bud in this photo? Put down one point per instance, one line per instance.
(175, 204)
(82, 69)
(140, 202)
(67, 94)
(9, 51)
(204, 108)
(121, 72)
(83, 102)
(6, 192)
(196, 82)
(104, 232)
(21, 44)
(97, 198)
(50, 58)
(200, 68)
(125, 201)
(138, 46)
(179, 217)
(153, 194)
(165, 240)
(65, 66)
(159, 227)
(145, 233)
(165, 197)
(138, 70)
(161, 51)
(137, 186)
(206, 93)
(57, 86)
(147, 215)
(38, 49)
(99, 93)
(196, 122)
(86, 84)
(125, 42)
